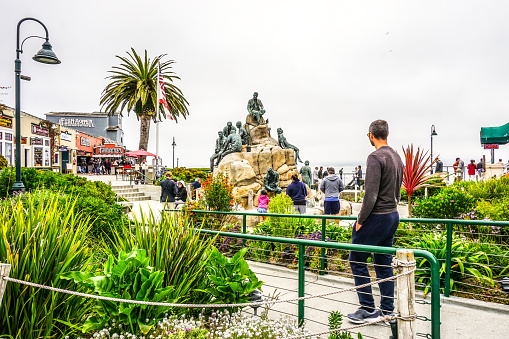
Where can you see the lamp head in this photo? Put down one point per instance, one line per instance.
(433, 132)
(46, 55)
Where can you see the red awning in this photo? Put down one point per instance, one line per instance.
(140, 153)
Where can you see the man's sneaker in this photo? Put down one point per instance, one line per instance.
(361, 316)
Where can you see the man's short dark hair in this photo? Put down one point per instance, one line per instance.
(457, 159)
(379, 129)
(330, 170)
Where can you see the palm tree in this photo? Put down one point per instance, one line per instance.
(134, 86)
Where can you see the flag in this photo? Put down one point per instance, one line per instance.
(160, 91)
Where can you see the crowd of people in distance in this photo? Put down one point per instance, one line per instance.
(102, 166)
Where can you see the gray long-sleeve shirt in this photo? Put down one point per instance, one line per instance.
(384, 174)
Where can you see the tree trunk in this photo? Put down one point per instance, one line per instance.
(144, 133)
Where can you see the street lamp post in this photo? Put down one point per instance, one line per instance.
(433, 132)
(173, 144)
(45, 56)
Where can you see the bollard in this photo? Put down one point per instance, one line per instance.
(406, 295)
(5, 269)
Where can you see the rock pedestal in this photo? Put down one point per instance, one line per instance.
(246, 170)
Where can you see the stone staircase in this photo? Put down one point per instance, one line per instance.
(131, 193)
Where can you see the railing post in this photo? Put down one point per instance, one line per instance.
(5, 269)
(301, 283)
(447, 282)
(406, 295)
(322, 251)
(244, 228)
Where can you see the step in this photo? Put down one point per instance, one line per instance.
(129, 195)
(141, 198)
(121, 187)
(127, 190)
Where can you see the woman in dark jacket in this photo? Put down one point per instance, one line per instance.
(181, 193)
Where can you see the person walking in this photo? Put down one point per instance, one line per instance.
(320, 172)
(359, 176)
(196, 184)
(168, 191)
(480, 170)
(471, 168)
(107, 166)
(315, 176)
(376, 224)
(331, 185)
(439, 166)
(298, 192)
(263, 202)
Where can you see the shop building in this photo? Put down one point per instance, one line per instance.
(96, 123)
(7, 136)
(66, 156)
(85, 145)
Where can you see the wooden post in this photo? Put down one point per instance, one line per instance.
(406, 295)
(189, 190)
(5, 269)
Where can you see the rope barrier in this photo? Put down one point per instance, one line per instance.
(140, 302)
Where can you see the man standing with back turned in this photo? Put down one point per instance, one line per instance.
(376, 224)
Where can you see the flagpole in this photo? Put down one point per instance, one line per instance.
(157, 117)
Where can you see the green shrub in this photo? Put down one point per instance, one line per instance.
(450, 202)
(490, 189)
(3, 162)
(493, 210)
(189, 174)
(129, 276)
(42, 236)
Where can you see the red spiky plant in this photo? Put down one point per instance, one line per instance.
(416, 173)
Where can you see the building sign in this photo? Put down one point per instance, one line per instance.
(39, 130)
(490, 146)
(22, 141)
(36, 141)
(65, 136)
(109, 150)
(62, 149)
(84, 141)
(76, 122)
(5, 121)
(81, 153)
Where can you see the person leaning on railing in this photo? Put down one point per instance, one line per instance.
(376, 224)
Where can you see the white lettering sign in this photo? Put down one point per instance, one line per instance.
(110, 150)
(76, 122)
(84, 141)
(65, 136)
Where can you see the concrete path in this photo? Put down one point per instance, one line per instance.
(461, 318)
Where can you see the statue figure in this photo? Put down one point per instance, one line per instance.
(219, 146)
(285, 144)
(232, 144)
(271, 181)
(243, 133)
(306, 173)
(255, 108)
(227, 130)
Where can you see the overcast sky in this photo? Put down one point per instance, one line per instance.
(323, 69)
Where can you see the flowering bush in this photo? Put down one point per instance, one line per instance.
(217, 192)
(451, 202)
(218, 325)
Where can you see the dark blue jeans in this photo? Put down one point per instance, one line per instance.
(377, 230)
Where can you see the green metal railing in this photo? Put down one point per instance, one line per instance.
(447, 222)
(143, 175)
(302, 244)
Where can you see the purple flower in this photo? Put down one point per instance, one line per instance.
(452, 200)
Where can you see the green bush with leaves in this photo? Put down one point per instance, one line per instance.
(230, 280)
(3, 162)
(129, 276)
(42, 236)
(466, 259)
(451, 202)
(495, 188)
(189, 174)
